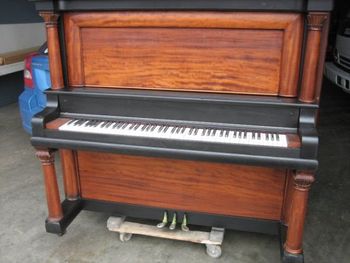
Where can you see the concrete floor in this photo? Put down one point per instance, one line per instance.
(23, 208)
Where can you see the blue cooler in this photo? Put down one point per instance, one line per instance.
(33, 100)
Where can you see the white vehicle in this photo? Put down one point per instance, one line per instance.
(338, 71)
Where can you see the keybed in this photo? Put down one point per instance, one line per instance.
(175, 132)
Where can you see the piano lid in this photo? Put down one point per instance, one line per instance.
(245, 5)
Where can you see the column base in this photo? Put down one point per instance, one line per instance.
(292, 258)
(70, 210)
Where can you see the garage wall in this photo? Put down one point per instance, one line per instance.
(20, 28)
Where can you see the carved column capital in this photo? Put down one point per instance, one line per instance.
(303, 181)
(50, 18)
(315, 21)
(46, 157)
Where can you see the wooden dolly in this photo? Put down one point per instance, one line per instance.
(212, 240)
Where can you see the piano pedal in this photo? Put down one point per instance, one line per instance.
(173, 222)
(164, 221)
(184, 226)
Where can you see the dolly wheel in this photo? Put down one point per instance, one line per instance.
(124, 237)
(214, 251)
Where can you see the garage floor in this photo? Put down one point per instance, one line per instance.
(23, 208)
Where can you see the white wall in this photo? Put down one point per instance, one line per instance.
(15, 37)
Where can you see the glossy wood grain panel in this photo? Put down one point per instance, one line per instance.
(183, 185)
(175, 59)
(255, 53)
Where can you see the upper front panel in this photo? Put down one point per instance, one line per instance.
(248, 53)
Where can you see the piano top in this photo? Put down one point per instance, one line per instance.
(227, 5)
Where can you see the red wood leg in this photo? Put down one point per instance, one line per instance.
(52, 193)
(297, 213)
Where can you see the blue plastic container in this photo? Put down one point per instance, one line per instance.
(32, 101)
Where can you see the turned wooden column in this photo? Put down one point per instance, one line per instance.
(297, 212)
(70, 178)
(53, 45)
(52, 193)
(315, 23)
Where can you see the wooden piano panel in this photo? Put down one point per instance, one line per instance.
(198, 186)
(250, 53)
(192, 59)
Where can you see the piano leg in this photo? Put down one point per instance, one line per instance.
(70, 179)
(60, 215)
(293, 252)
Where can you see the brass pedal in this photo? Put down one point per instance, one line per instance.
(184, 226)
(164, 221)
(173, 222)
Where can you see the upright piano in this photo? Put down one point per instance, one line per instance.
(196, 107)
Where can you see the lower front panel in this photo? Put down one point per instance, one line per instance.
(204, 187)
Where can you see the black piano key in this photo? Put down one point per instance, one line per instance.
(190, 132)
(221, 133)
(77, 123)
(203, 132)
(195, 131)
(213, 132)
(207, 132)
(173, 129)
(253, 135)
(166, 128)
(277, 137)
(161, 128)
(227, 133)
(119, 125)
(272, 137)
(87, 124)
(234, 134)
(71, 121)
(153, 127)
(108, 124)
(244, 135)
(239, 134)
(94, 123)
(183, 130)
(267, 137)
(259, 136)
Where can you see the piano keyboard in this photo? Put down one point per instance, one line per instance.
(160, 131)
